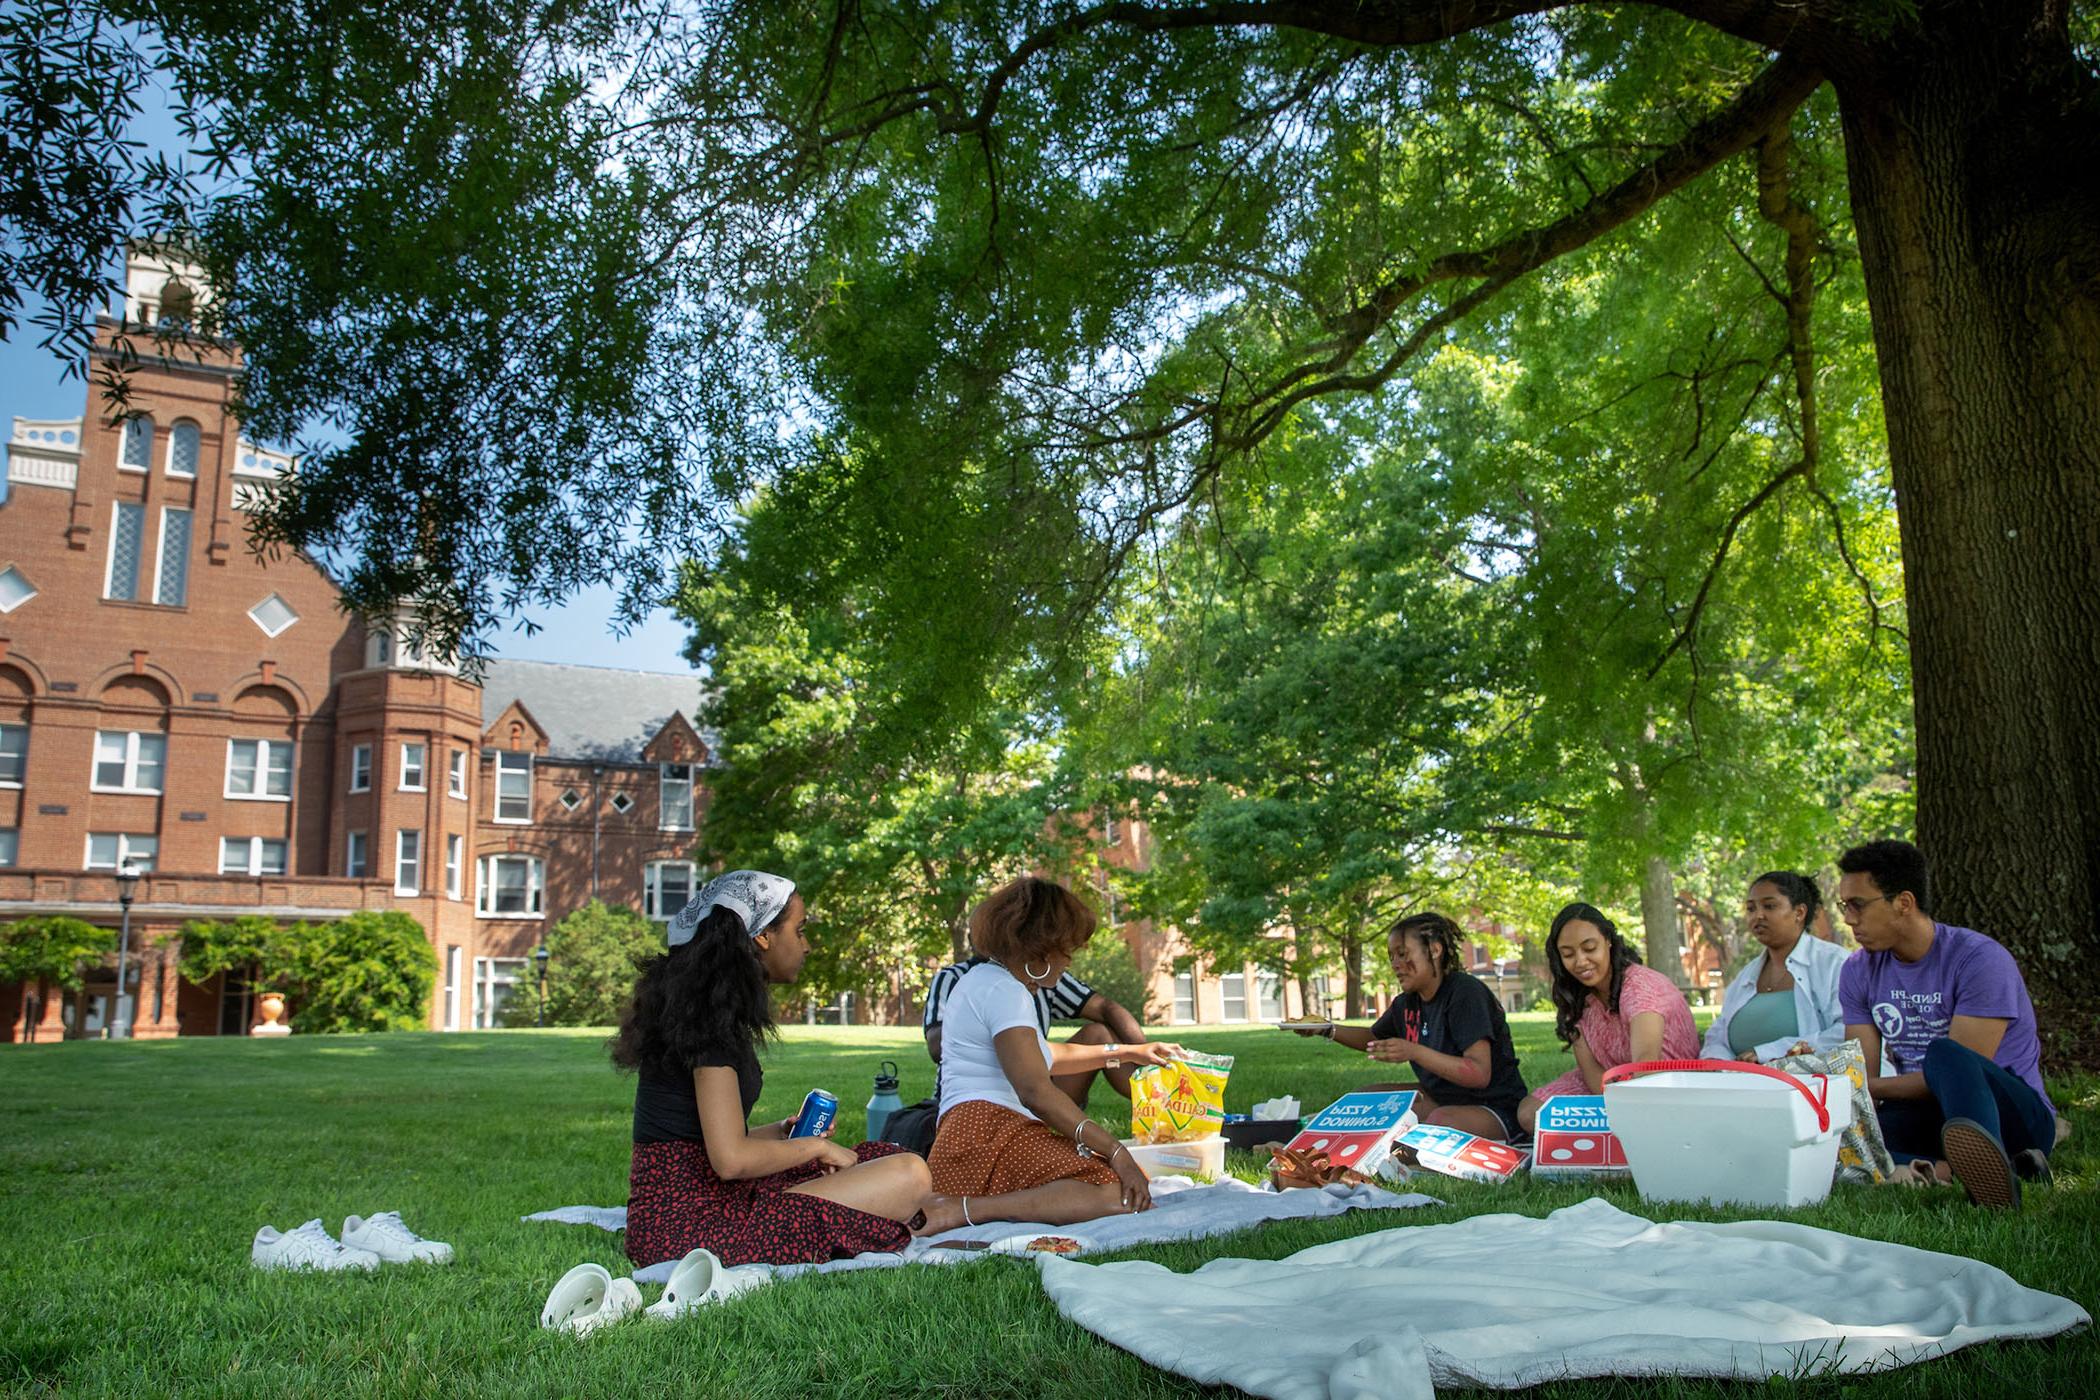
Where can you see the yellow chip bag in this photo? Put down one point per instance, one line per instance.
(1179, 1102)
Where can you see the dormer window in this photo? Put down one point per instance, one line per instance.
(675, 796)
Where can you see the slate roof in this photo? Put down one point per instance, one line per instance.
(592, 712)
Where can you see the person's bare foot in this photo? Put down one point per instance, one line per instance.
(939, 1215)
(1923, 1172)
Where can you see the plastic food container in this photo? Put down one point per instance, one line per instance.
(1716, 1130)
(1203, 1157)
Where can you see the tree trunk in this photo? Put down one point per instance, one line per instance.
(1976, 196)
(1662, 934)
(1352, 974)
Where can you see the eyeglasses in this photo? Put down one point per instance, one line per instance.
(1855, 907)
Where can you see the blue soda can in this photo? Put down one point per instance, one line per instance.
(818, 1109)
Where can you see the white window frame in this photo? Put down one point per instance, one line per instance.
(360, 768)
(252, 857)
(456, 769)
(129, 852)
(357, 855)
(408, 860)
(132, 745)
(168, 457)
(124, 462)
(455, 959)
(1188, 980)
(20, 752)
(10, 847)
(415, 761)
(487, 978)
(109, 569)
(265, 750)
(454, 861)
(485, 886)
(504, 768)
(665, 783)
(1225, 997)
(1111, 835)
(1268, 987)
(160, 556)
(653, 888)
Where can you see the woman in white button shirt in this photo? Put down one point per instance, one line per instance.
(1787, 997)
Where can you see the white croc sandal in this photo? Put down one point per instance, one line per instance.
(587, 1298)
(700, 1279)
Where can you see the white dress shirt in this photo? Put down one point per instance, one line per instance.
(1814, 964)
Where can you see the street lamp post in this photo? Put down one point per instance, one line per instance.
(119, 1027)
(539, 957)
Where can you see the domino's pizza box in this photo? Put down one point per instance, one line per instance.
(1357, 1130)
(1574, 1138)
(1461, 1154)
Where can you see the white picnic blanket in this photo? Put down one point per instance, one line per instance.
(1508, 1301)
(1182, 1209)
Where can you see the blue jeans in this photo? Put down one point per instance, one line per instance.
(1966, 1085)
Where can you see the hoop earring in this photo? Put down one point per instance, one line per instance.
(1031, 974)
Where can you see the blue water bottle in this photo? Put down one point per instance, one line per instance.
(884, 1102)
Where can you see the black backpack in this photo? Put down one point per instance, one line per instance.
(912, 1127)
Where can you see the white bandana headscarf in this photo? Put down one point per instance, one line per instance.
(752, 895)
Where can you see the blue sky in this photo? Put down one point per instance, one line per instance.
(32, 385)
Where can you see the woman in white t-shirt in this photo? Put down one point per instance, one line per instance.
(1012, 1145)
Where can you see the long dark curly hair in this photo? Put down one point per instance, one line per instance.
(1568, 994)
(707, 997)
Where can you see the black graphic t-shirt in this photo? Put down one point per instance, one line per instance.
(1464, 1011)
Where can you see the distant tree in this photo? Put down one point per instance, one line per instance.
(592, 955)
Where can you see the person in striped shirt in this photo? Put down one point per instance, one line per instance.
(1107, 1023)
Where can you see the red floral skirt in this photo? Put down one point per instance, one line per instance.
(676, 1204)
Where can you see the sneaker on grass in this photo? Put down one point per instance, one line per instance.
(385, 1236)
(308, 1247)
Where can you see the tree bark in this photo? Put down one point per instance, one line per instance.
(1662, 934)
(1976, 197)
(1353, 973)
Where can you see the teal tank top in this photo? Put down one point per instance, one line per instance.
(1766, 1016)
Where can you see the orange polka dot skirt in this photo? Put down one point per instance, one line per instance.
(984, 1149)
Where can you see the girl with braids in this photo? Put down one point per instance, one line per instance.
(1785, 1002)
(1448, 1025)
(703, 1178)
(1607, 1008)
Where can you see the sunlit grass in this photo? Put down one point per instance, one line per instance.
(132, 1177)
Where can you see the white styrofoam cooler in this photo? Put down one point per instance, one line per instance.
(1716, 1130)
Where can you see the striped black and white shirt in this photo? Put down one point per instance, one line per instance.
(1054, 1004)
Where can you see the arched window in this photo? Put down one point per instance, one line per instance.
(178, 304)
(137, 454)
(185, 445)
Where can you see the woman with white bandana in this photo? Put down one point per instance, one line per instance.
(702, 1177)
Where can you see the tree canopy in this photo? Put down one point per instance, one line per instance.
(1022, 284)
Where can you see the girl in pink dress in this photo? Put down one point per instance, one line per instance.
(1608, 1008)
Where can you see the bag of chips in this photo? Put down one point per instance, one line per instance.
(1179, 1102)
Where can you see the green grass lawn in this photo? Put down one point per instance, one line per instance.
(133, 1176)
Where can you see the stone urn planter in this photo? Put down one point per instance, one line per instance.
(271, 1006)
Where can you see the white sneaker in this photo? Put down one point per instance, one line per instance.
(308, 1247)
(385, 1236)
(587, 1298)
(700, 1279)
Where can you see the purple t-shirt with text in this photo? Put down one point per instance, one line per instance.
(1912, 1004)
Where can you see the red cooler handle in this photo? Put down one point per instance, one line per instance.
(1822, 1107)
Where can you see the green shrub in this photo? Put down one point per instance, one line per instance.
(372, 971)
(53, 948)
(1108, 966)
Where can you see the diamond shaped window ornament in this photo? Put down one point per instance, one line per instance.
(273, 615)
(622, 803)
(14, 589)
(571, 799)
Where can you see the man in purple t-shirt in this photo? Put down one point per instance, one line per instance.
(1951, 1010)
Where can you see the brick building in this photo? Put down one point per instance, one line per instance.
(170, 701)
